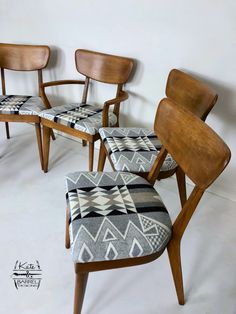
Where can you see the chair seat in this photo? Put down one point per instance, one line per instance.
(114, 215)
(133, 149)
(82, 117)
(21, 105)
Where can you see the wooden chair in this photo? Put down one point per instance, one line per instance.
(118, 219)
(17, 108)
(81, 119)
(135, 149)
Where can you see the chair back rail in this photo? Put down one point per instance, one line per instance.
(190, 93)
(103, 67)
(197, 149)
(23, 57)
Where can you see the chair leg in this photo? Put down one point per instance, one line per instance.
(53, 135)
(180, 176)
(46, 146)
(102, 157)
(39, 140)
(7, 130)
(67, 236)
(175, 263)
(91, 155)
(84, 143)
(80, 287)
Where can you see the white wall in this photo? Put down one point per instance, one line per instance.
(198, 36)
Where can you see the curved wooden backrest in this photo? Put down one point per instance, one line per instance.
(23, 57)
(190, 93)
(196, 148)
(103, 67)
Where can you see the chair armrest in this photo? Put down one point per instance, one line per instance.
(55, 83)
(115, 101)
(122, 97)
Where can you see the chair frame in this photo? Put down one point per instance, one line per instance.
(200, 102)
(16, 57)
(218, 151)
(94, 66)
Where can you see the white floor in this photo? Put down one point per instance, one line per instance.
(32, 217)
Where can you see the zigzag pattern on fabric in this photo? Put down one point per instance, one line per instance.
(114, 215)
(140, 162)
(123, 132)
(131, 144)
(134, 149)
(134, 242)
(84, 178)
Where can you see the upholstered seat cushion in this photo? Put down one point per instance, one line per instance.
(114, 215)
(82, 117)
(133, 149)
(21, 105)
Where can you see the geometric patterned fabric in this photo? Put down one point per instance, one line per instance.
(82, 117)
(133, 149)
(21, 105)
(114, 215)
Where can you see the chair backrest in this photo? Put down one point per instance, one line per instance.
(23, 58)
(190, 93)
(197, 149)
(103, 67)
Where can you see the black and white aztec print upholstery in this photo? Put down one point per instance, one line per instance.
(114, 215)
(21, 105)
(133, 149)
(82, 117)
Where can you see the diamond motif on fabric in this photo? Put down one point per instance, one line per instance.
(130, 144)
(111, 253)
(158, 239)
(136, 249)
(74, 205)
(74, 115)
(103, 202)
(117, 221)
(12, 104)
(146, 223)
(85, 254)
(154, 240)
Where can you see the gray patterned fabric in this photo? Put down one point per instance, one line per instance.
(133, 149)
(114, 215)
(21, 105)
(82, 117)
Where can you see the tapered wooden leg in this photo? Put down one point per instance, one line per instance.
(52, 135)
(175, 263)
(7, 130)
(102, 157)
(84, 143)
(181, 185)
(39, 140)
(91, 155)
(46, 146)
(80, 287)
(67, 236)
